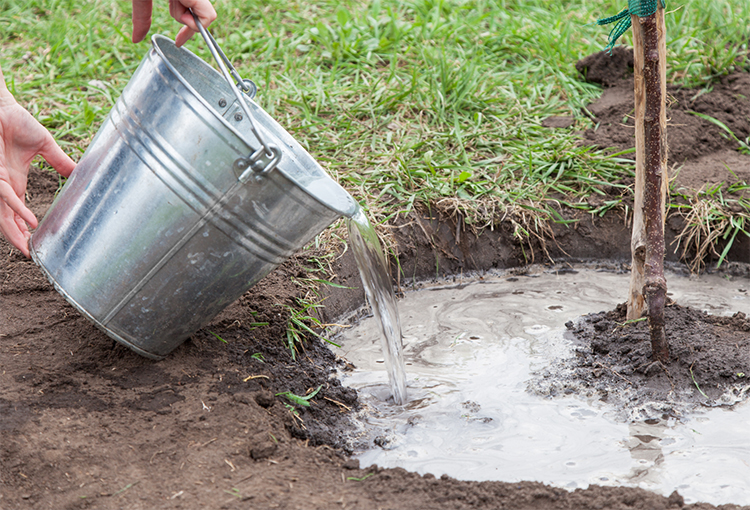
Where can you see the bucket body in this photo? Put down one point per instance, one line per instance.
(161, 225)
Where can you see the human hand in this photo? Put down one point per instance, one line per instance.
(21, 139)
(142, 10)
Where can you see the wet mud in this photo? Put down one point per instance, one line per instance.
(85, 423)
(709, 363)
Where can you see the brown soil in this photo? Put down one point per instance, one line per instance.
(85, 423)
(709, 363)
(699, 153)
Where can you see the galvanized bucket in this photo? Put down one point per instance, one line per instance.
(174, 212)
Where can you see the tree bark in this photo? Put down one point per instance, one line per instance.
(648, 286)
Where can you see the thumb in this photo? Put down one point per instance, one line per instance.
(55, 156)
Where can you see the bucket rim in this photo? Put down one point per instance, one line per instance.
(347, 206)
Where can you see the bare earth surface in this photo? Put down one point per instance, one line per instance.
(86, 423)
(699, 153)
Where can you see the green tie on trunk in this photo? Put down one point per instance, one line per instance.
(640, 8)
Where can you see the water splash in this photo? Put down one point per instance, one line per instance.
(373, 269)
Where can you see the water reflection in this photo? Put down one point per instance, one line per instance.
(645, 449)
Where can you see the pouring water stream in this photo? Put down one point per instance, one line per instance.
(373, 269)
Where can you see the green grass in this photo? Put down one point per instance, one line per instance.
(696, 383)
(410, 103)
(300, 323)
(298, 400)
(714, 217)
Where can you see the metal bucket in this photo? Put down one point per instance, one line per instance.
(172, 214)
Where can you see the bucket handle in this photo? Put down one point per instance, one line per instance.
(260, 161)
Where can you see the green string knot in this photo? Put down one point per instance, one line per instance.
(640, 8)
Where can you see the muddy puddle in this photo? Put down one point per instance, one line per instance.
(472, 350)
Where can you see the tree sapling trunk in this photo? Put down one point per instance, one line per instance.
(648, 286)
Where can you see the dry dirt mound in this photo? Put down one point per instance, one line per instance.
(700, 152)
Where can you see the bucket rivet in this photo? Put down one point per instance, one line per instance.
(241, 164)
(238, 117)
(222, 102)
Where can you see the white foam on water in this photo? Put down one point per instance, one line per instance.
(470, 350)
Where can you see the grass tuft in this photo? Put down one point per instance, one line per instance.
(714, 216)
